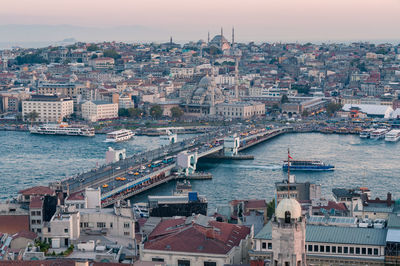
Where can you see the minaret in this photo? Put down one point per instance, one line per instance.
(233, 36)
(208, 38)
(170, 40)
(222, 34)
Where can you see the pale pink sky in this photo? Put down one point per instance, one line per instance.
(253, 19)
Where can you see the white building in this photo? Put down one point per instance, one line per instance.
(102, 63)
(125, 102)
(50, 108)
(240, 109)
(98, 110)
(182, 72)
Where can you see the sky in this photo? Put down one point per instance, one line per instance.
(257, 20)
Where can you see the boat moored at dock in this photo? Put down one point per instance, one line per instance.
(62, 129)
(366, 133)
(119, 135)
(393, 135)
(379, 133)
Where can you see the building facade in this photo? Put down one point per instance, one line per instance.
(99, 110)
(49, 108)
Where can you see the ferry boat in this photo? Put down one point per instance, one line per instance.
(119, 135)
(393, 135)
(379, 133)
(366, 133)
(62, 129)
(307, 165)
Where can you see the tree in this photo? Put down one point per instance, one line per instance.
(32, 116)
(111, 53)
(92, 48)
(332, 108)
(270, 208)
(135, 112)
(123, 112)
(284, 99)
(156, 111)
(30, 59)
(305, 89)
(94, 56)
(176, 112)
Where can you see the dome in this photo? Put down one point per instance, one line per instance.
(200, 91)
(290, 205)
(205, 82)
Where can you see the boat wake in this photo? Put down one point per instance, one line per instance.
(250, 166)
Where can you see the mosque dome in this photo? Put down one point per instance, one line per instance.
(205, 82)
(288, 205)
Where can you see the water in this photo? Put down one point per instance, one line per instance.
(27, 160)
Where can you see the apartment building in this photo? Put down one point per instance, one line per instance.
(99, 110)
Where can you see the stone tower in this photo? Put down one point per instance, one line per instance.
(288, 235)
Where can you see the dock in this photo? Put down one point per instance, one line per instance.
(197, 176)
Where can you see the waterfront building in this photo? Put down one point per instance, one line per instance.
(99, 110)
(50, 108)
(371, 110)
(241, 110)
(197, 240)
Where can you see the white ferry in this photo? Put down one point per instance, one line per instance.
(366, 133)
(393, 135)
(119, 135)
(62, 129)
(379, 133)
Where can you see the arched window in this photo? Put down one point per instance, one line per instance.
(287, 217)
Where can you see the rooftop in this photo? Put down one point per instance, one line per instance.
(38, 190)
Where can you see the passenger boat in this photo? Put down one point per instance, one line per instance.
(307, 165)
(366, 133)
(119, 135)
(379, 133)
(62, 129)
(393, 135)
(141, 209)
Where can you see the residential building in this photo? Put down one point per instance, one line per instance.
(102, 63)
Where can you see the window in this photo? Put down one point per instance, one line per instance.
(101, 225)
(315, 248)
(357, 250)
(126, 233)
(322, 248)
(310, 248)
(369, 251)
(264, 245)
(126, 225)
(363, 251)
(346, 250)
(65, 230)
(328, 249)
(269, 245)
(49, 231)
(339, 249)
(376, 252)
(39, 230)
(210, 263)
(111, 225)
(287, 263)
(351, 250)
(33, 221)
(334, 249)
(183, 262)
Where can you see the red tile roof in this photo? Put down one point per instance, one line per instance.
(39, 190)
(36, 202)
(12, 224)
(76, 196)
(25, 234)
(217, 238)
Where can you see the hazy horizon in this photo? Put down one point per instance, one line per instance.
(154, 20)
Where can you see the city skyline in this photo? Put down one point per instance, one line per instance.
(254, 20)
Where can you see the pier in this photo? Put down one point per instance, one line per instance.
(131, 176)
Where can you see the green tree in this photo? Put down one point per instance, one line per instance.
(270, 208)
(32, 116)
(305, 89)
(176, 112)
(30, 59)
(123, 112)
(111, 53)
(156, 111)
(92, 48)
(94, 56)
(135, 112)
(284, 99)
(333, 108)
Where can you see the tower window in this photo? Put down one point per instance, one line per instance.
(287, 217)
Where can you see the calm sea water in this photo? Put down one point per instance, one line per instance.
(27, 160)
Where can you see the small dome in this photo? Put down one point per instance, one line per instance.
(290, 205)
(200, 91)
(205, 82)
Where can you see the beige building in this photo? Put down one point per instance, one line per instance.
(102, 63)
(98, 110)
(50, 108)
(240, 110)
(66, 89)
